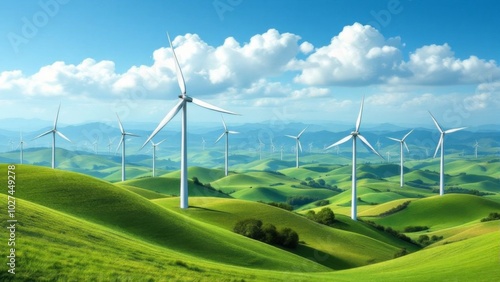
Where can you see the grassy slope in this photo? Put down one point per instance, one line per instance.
(124, 211)
(341, 249)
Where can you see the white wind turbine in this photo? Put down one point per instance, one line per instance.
(388, 153)
(184, 99)
(154, 154)
(401, 143)
(354, 135)
(297, 146)
(261, 145)
(226, 133)
(110, 144)
(441, 146)
(54, 131)
(21, 147)
(281, 151)
(122, 144)
(96, 145)
(476, 145)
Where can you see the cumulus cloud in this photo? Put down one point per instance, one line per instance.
(359, 55)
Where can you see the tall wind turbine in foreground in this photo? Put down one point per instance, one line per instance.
(401, 143)
(122, 143)
(354, 135)
(441, 146)
(184, 99)
(54, 131)
(226, 132)
(154, 154)
(297, 146)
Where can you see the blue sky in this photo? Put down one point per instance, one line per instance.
(303, 61)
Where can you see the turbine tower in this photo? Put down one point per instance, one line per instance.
(297, 145)
(281, 151)
(54, 131)
(226, 132)
(401, 143)
(354, 135)
(122, 143)
(441, 146)
(154, 154)
(388, 156)
(184, 99)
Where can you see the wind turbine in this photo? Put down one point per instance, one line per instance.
(441, 146)
(476, 145)
(297, 145)
(261, 144)
(110, 144)
(154, 154)
(122, 143)
(184, 99)
(226, 132)
(21, 147)
(388, 156)
(310, 147)
(281, 151)
(354, 135)
(401, 143)
(96, 145)
(54, 131)
(273, 148)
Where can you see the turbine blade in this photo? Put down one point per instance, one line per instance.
(233, 132)
(300, 146)
(222, 135)
(211, 107)
(157, 144)
(298, 136)
(407, 135)
(120, 124)
(358, 122)
(454, 129)
(57, 117)
(120, 143)
(363, 139)
(224, 123)
(343, 140)
(62, 135)
(165, 120)
(43, 134)
(406, 147)
(131, 134)
(439, 144)
(435, 122)
(294, 137)
(397, 140)
(178, 71)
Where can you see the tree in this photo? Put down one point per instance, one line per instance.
(250, 228)
(289, 238)
(271, 235)
(325, 216)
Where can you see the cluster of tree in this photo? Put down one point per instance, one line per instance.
(321, 203)
(389, 230)
(396, 209)
(415, 228)
(320, 183)
(267, 233)
(491, 216)
(424, 240)
(280, 205)
(459, 190)
(300, 200)
(196, 181)
(324, 216)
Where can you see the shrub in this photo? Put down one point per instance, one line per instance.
(284, 206)
(250, 228)
(300, 200)
(325, 216)
(415, 228)
(271, 235)
(396, 209)
(424, 240)
(491, 216)
(289, 238)
(401, 253)
(322, 203)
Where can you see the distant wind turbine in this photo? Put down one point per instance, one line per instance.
(96, 145)
(261, 144)
(226, 133)
(388, 153)
(54, 131)
(184, 99)
(401, 143)
(297, 145)
(441, 146)
(354, 135)
(154, 154)
(273, 148)
(21, 147)
(110, 144)
(122, 144)
(281, 151)
(476, 145)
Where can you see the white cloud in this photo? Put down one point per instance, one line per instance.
(306, 47)
(477, 102)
